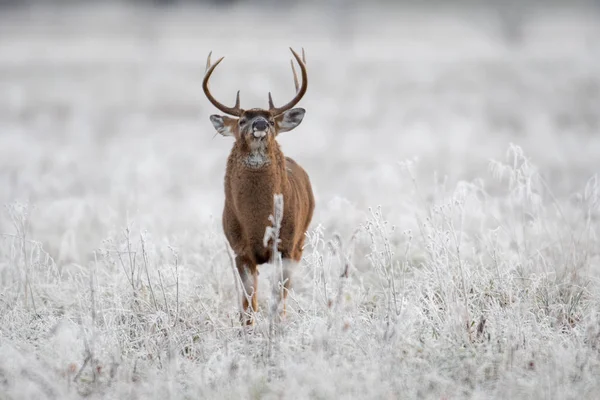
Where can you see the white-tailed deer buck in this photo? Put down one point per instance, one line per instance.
(256, 171)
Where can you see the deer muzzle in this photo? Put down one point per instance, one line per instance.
(260, 127)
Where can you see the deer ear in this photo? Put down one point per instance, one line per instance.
(290, 119)
(224, 125)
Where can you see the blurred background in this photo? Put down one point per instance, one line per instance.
(103, 118)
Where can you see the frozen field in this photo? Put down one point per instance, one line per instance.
(454, 251)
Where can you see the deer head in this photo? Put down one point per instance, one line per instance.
(256, 127)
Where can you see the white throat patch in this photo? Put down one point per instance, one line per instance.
(258, 156)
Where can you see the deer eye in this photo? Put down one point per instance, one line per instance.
(243, 121)
(272, 122)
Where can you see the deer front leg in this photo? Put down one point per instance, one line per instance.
(288, 266)
(249, 277)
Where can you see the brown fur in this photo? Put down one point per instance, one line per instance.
(249, 202)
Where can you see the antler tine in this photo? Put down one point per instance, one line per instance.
(208, 61)
(295, 76)
(271, 105)
(303, 56)
(237, 100)
(300, 90)
(236, 111)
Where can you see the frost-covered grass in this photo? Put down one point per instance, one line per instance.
(454, 249)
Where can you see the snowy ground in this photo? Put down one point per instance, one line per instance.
(455, 176)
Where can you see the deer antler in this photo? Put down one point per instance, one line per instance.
(300, 91)
(236, 111)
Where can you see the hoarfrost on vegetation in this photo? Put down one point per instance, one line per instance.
(430, 271)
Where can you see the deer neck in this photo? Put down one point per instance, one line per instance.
(259, 175)
(258, 156)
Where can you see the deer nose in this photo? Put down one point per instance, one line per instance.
(260, 125)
